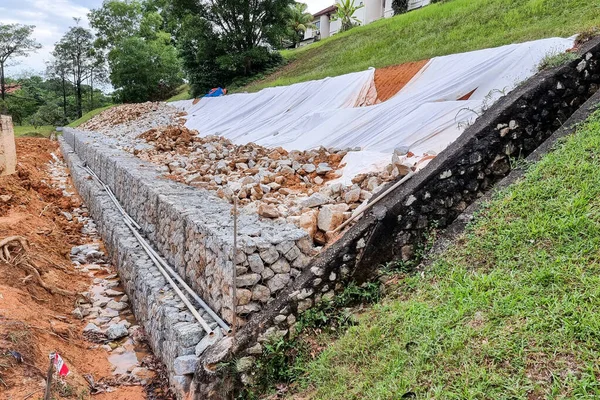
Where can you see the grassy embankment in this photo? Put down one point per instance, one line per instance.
(511, 312)
(444, 28)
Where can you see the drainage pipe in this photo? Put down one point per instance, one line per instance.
(161, 263)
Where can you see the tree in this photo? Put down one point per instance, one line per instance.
(224, 42)
(115, 20)
(299, 20)
(76, 51)
(143, 61)
(143, 70)
(15, 41)
(59, 68)
(345, 12)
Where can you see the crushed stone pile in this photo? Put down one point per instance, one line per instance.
(296, 185)
(300, 187)
(132, 119)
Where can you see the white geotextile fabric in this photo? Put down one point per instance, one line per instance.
(254, 117)
(423, 118)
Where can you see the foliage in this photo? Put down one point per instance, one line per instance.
(509, 313)
(116, 20)
(15, 41)
(345, 13)
(143, 61)
(143, 70)
(556, 60)
(228, 40)
(334, 314)
(76, 60)
(399, 6)
(447, 28)
(299, 20)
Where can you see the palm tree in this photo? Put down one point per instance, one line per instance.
(345, 12)
(299, 21)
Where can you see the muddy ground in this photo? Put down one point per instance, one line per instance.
(35, 321)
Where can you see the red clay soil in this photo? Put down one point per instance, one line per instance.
(390, 80)
(33, 320)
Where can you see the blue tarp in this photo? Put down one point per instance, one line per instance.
(216, 92)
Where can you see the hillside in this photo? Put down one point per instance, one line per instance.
(509, 313)
(448, 27)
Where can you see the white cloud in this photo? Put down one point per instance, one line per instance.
(52, 19)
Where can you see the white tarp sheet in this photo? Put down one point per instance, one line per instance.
(424, 117)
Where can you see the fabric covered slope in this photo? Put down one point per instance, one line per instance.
(254, 117)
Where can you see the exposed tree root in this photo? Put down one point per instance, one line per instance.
(20, 246)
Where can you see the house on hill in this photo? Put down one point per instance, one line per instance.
(372, 11)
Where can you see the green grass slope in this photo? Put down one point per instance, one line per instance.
(87, 116)
(449, 27)
(183, 93)
(31, 131)
(512, 312)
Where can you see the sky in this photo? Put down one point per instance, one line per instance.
(52, 19)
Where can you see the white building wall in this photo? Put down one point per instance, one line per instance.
(412, 4)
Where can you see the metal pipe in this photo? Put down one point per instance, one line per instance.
(173, 285)
(205, 306)
(149, 248)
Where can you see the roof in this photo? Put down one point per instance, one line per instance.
(328, 10)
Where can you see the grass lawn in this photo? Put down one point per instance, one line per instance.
(183, 93)
(88, 115)
(30, 131)
(511, 312)
(449, 27)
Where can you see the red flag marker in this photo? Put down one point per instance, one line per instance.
(59, 364)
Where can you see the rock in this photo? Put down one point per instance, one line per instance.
(77, 313)
(309, 168)
(143, 374)
(113, 293)
(269, 255)
(372, 183)
(245, 363)
(352, 196)
(308, 222)
(5, 198)
(208, 341)
(243, 296)
(256, 263)
(92, 328)
(278, 282)
(280, 266)
(185, 365)
(331, 216)
(117, 305)
(323, 168)
(247, 280)
(261, 293)
(116, 331)
(268, 211)
(315, 200)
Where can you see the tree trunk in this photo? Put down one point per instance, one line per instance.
(91, 90)
(79, 107)
(64, 90)
(2, 83)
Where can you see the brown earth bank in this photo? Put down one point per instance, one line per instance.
(389, 80)
(36, 311)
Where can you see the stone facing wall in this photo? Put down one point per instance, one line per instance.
(193, 229)
(172, 331)
(482, 156)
